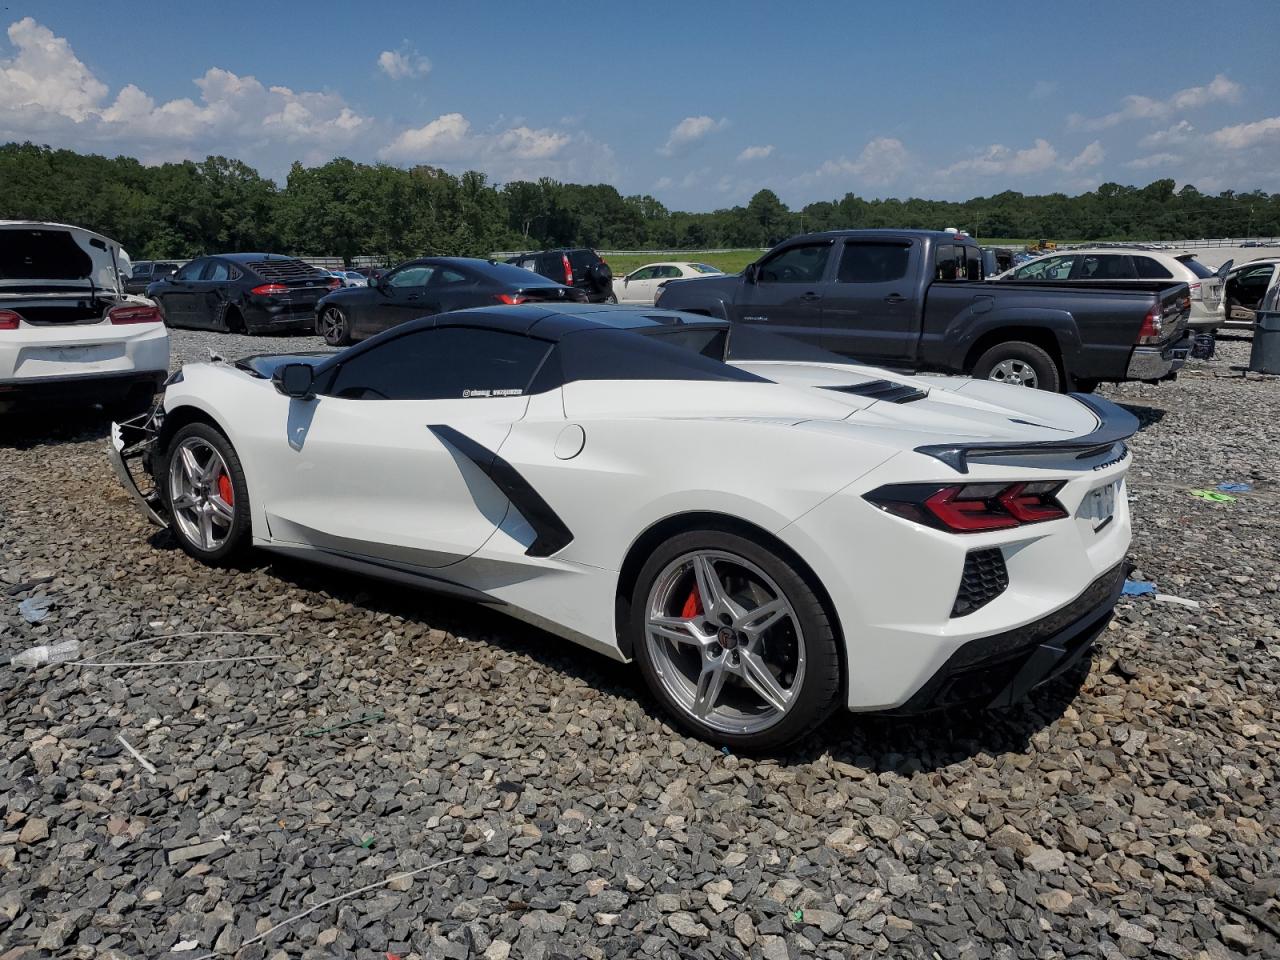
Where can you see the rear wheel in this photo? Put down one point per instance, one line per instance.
(733, 642)
(232, 319)
(332, 325)
(204, 485)
(1019, 363)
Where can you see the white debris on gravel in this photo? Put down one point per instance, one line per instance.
(1127, 811)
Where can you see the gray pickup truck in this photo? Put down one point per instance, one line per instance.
(917, 299)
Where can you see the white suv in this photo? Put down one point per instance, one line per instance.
(1119, 264)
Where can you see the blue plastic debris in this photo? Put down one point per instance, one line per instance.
(35, 609)
(1235, 487)
(1136, 588)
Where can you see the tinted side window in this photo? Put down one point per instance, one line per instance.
(447, 275)
(873, 262)
(448, 363)
(1149, 269)
(645, 273)
(949, 262)
(216, 270)
(972, 263)
(802, 264)
(1106, 266)
(192, 270)
(416, 276)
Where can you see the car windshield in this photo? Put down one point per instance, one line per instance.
(1195, 266)
(705, 268)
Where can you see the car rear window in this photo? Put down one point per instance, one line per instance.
(42, 255)
(605, 354)
(705, 268)
(581, 259)
(1195, 266)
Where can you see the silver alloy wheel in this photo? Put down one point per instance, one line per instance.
(1018, 373)
(724, 641)
(333, 325)
(201, 493)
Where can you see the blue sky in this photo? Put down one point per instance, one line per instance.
(698, 104)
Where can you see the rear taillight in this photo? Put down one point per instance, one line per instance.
(972, 507)
(600, 258)
(142, 313)
(511, 298)
(568, 270)
(1152, 327)
(1196, 291)
(335, 283)
(270, 289)
(9, 320)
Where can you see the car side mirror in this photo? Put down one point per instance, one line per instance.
(750, 273)
(295, 380)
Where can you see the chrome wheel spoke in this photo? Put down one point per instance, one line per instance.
(190, 465)
(761, 679)
(710, 683)
(221, 510)
(715, 600)
(184, 501)
(759, 619)
(206, 529)
(678, 630)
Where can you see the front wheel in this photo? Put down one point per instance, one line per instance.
(733, 641)
(1019, 363)
(204, 485)
(333, 326)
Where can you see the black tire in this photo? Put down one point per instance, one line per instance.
(820, 686)
(611, 299)
(337, 331)
(1020, 352)
(232, 319)
(238, 535)
(600, 277)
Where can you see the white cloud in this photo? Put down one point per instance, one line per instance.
(999, 160)
(755, 153)
(1180, 132)
(46, 76)
(1139, 107)
(46, 92)
(1243, 135)
(1090, 156)
(403, 64)
(1153, 160)
(688, 132)
(514, 153)
(879, 163)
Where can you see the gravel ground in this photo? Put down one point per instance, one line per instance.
(529, 800)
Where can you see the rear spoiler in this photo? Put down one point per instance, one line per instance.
(1114, 424)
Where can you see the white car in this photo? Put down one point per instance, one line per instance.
(349, 278)
(644, 285)
(68, 332)
(764, 539)
(1246, 290)
(1118, 264)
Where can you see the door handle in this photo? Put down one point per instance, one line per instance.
(810, 296)
(894, 298)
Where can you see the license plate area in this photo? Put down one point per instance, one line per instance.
(1099, 505)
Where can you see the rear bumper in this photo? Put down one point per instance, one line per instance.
(293, 316)
(1158, 363)
(83, 388)
(1000, 670)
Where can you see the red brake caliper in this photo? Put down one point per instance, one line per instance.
(225, 490)
(692, 605)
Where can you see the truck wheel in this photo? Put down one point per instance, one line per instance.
(1019, 363)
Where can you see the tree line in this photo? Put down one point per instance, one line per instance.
(348, 209)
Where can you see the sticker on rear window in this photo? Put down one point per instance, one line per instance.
(511, 392)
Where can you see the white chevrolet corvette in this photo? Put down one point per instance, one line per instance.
(766, 539)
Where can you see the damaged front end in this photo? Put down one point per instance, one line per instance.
(134, 441)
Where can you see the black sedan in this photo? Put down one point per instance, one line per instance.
(426, 286)
(242, 293)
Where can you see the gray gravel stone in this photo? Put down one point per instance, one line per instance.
(1112, 814)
